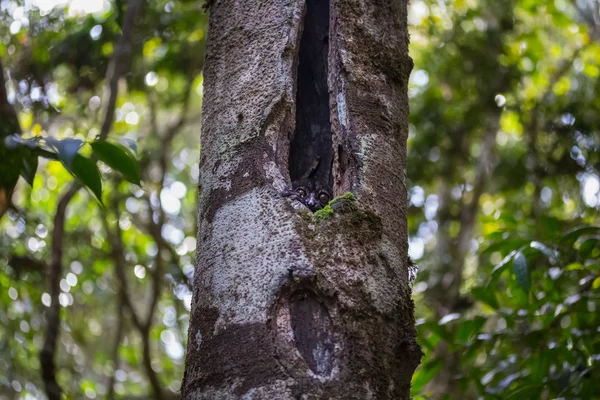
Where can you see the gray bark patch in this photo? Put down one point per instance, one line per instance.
(313, 331)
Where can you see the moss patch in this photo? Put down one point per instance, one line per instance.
(323, 213)
(357, 222)
(343, 203)
(346, 196)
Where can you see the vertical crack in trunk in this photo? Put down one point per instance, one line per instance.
(313, 331)
(311, 152)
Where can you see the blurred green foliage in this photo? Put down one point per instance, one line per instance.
(504, 192)
(56, 62)
(522, 341)
(502, 175)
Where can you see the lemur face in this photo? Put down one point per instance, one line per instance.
(311, 197)
(308, 193)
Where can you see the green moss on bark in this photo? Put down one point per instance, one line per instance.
(343, 203)
(342, 215)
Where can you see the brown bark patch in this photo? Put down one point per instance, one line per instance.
(247, 175)
(313, 331)
(241, 352)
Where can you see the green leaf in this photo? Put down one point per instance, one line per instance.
(87, 172)
(485, 295)
(435, 328)
(539, 369)
(425, 374)
(66, 149)
(574, 234)
(498, 269)
(29, 168)
(505, 245)
(14, 141)
(522, 272)
(525, 392)
(428, 338)
(547, 251)
(550, 224)
(574, 266)
(38, 151)
(588, 246)
(469, 328)
(119, 159)
(129, 143)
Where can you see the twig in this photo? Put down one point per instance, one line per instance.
(532, 126)
(143, 327)
(110, 390)
(53, 389)
(120, 62)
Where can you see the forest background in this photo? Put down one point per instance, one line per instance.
(503, 181)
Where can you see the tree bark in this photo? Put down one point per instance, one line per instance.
(289, 304)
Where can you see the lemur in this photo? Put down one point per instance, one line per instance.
(311, 149)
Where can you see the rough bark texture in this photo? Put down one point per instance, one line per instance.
(287, 304)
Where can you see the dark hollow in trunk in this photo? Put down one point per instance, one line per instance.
(311, 151)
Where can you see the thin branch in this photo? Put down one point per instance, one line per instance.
(153, 111)
(147, 362)
(565, 65)
(118, 252)
(119, 260)
(143, 327)
(468, 211)
(532, 126)
(47, 355)
(22, 264)
(120, 62)
(110, 390)
(147, 227)
(154, 228)
(182, 119)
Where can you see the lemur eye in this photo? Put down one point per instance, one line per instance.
(301, 192)
(323, 198)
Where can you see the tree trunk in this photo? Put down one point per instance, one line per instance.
(289, 304)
